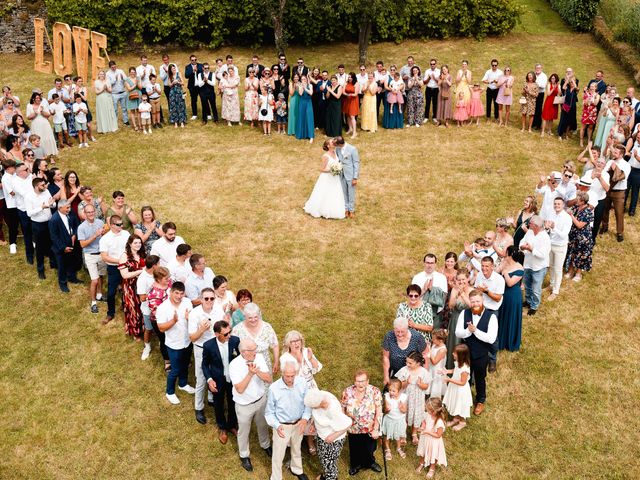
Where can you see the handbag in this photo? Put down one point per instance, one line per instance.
(134, 95)
(558, 100)
(523, 100)
(507, 91)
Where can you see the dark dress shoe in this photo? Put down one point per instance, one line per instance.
(532, 312)
(64, 288)
(268, 451)
(354, 470)
(375, 467)
(492, 367)
(74, 280)
(525, 304)
(302, 476)
(620, 237)
(246, 464)
(30, 261)
(200, 417)
(41, 276)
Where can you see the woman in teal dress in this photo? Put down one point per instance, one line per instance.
(458, 301)
(606, 123)
(294, 98)
(395, 119)
(333, 114)
(510, 312)
(304, 123)
(132, 87)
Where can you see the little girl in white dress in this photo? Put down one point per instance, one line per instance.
(458, 399)
(437, 360)
(394, 422)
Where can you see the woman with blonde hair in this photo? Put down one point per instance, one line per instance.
(503, 239)
(521, 223)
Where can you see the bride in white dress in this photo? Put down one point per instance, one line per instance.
(327, 199)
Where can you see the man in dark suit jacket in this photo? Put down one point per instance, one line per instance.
(257, 67)
(63, 229)
(190, 73)
(301, 69)
(217, 354)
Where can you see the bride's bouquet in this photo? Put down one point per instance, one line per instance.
(336, 169)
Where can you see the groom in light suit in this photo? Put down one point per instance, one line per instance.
(350, 159)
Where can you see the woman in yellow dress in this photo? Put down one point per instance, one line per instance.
(368, 114)
(463, 81)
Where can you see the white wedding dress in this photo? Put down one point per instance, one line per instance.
(327, 199)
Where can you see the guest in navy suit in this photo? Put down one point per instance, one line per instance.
(191, 72)
(63, 229)
(216, 356)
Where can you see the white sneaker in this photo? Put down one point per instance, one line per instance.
(81, 145)
(188, 388)
(194, 117)
(173, 399)
(145, 132)
(86, 145)
(209, 117)
(13, 249)
(150, 131)
(93, 139)
(146, 352)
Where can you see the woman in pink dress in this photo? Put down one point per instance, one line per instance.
(505, 96)
(590, 99)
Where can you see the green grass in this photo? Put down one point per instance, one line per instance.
(78, 403)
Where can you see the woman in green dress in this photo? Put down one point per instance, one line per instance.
(333, 115)
(132, 87)
(294, 98)
(417, 312)
(458, 301)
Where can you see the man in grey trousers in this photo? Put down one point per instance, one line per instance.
(350, 159)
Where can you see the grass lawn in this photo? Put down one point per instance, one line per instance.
(79, 403)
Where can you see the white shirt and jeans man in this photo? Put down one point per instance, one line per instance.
(112, 246)
(200, 331)
(536, 246)
(558, 225)
(249, 375)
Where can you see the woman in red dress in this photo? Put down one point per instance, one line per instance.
(549, 109)
(131, 265)
(350, 106)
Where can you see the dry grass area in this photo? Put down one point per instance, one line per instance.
(78, 403)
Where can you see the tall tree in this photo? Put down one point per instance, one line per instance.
(275, 9)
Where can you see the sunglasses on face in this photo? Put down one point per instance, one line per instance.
(118, 224)
(413, 296)
(226, 334)
(207, 299)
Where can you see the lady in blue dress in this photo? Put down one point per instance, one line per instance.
(294, 97)
(510, 313)
(304, 122)
(395, 119)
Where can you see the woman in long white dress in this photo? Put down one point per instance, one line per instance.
(38, 113)
(327, 199)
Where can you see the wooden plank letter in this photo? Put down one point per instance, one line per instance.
(98, 62)
(40, 65)
(81, 38)
(62, 51)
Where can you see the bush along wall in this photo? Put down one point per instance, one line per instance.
(577, 13)
(229, 22)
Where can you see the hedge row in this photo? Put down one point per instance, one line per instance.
(623, 19)
(212, 24)
(577, 13)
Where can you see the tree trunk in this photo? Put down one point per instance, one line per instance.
(277, 16)
(364, 34)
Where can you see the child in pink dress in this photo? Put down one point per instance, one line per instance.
(460, 115)
(431, 446)
(476, 110)
(395, 95)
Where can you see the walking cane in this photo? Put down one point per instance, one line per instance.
(384, 457)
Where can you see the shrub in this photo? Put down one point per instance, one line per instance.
(577, 13)
(191, 22)
(623, 19)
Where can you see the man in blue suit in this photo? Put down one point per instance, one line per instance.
(216, 356)
(63, 229)
(350, 159)
(191, 72)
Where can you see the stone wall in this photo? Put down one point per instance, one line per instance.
(16, 27)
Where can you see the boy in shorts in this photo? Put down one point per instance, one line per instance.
(154, 90)
(145, 113)
(58, 109)
(80, 111)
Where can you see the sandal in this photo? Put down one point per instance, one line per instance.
(414, 439)
(453, 422)
(387, 454)
(431, 473)
(459, 426)
(420, 467)
(401, 452)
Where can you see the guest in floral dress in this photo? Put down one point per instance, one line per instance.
(251, 86)
(415, 98)
(149, 229)
(530, 92)
(590, 99)
(363, 404)
(261, 333)
(580, 238)
(177, 107)
(418, 313)
(131, 266)
(416, 381)
(230, 100)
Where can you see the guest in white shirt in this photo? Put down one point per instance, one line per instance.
(490, 79)
(491, 284)
(112, 246)
(558, 226)
(11, 210)
(633, 182)
(547, 187)
(541, 81)
(431, 76)
(179, 266)
(536, 246)
(172, 317)
(619, 170)
(23, 187)
(115, 78)
(198, 278)
(362, 78)
(165, 247)
(434, 287)
(144, 283)
(250, 375)
(598, 186)
(200, 331)
(143, 71)
(566, 189)
(39, 210)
